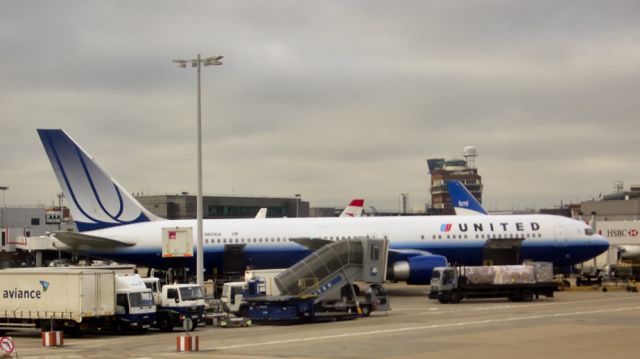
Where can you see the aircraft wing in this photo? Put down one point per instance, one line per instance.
(409, 252)
(311, 243)
(316, 243)
(84, 241)
(403, 254)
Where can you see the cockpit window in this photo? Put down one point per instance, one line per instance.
(588, 231)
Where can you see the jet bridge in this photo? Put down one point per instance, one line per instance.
(321, 285)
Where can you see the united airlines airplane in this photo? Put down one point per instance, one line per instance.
(113, 225)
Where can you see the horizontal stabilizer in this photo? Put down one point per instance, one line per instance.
(84, 241)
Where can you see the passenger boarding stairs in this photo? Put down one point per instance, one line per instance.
(325, 272)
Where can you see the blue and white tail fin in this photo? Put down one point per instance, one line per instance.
(464, 203)
(95, 199)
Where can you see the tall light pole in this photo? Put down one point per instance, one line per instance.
(198, 62)
(3, 235)
(3, 189)
(297, 204)
(60, 197)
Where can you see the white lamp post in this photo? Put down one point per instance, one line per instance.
(297, 204)
(198, 62)
(3, 189)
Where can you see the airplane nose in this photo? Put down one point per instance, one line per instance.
(600, 243)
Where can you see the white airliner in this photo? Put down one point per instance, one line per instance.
(113, 225)
(262, 213)
(629, 252)
(354, 209)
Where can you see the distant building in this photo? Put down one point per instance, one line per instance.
(458, 169)
(28, 221)
(183, 206)
(325, 212)
(619, 206)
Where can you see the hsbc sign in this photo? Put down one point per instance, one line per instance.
(620, 232)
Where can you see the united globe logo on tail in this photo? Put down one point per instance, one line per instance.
(96, 200)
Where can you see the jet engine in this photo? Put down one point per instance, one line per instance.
(415, 270)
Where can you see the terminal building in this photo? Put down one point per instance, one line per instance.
(183, 206)
(463, 170)
(616, 216)
(20, 221)
(619, 206)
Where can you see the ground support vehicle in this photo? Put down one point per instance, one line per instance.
(177, 302)
(319, 287)
(74, 300)
(516, 282)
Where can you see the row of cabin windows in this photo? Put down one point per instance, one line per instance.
(266, 240)
(488, 236)
(439, 236)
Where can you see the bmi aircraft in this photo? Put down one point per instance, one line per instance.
(113, 225)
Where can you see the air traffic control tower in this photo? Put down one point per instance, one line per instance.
(463, 170)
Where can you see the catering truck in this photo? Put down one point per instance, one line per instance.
(74, 300)
(175, 303)
(515, 282)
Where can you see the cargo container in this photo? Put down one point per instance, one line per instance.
(73, 300)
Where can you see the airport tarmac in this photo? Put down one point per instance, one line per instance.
(584, 324)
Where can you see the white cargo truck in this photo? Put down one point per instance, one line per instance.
(73, 300)
(175, 303)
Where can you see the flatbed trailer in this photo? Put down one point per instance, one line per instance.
(514, 292)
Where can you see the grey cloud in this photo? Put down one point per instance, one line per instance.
(331, 99)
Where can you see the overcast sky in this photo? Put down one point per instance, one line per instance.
(331, 99)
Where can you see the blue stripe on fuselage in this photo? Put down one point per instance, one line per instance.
(282, 256)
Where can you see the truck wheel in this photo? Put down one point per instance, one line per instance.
(527, 295)
(73, 331)
(194, 325)
(443, 300)
(456, 297)
(243, 311)
(164, 323)
(366, 310)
